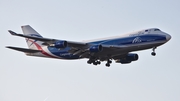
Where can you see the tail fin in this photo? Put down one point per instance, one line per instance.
(28, 30)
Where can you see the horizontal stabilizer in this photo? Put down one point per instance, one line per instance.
(23, 49)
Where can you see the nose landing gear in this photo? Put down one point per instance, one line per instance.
(153, 53)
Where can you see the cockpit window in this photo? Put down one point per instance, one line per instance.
(146, 30)
(156, 29)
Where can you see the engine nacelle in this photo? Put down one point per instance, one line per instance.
(96, 48)
(128, 59)
(60, 44)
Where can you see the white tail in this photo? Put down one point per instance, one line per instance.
(28, 30)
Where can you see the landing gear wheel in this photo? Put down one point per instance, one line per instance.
(95, 63)
(89, 61)
(98, 62)
(153, 54)
(107, 65)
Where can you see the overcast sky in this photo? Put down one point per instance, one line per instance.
(24, 78)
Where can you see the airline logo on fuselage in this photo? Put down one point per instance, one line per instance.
(137, 40)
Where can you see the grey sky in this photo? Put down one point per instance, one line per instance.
(25, 78)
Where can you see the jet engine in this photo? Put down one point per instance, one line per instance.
(128, 59)
(60, 44)
(96, 48)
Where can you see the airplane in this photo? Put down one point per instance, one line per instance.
(118, 48)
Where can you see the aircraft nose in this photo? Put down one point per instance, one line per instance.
(168, 37)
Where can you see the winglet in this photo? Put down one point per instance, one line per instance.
(11, 32)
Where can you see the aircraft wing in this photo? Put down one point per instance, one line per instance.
(48, 40)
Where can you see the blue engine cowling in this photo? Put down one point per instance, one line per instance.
(128, 59)
(60, 44)
(96, 48)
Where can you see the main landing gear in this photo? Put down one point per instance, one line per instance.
(108, 63)
(153, 53)
(98, 62)
(94, 62)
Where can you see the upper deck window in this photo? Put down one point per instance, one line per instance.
(146, 30)
(156, 29)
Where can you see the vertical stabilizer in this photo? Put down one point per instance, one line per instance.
(28, 30)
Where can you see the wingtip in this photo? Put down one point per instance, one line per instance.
(8, 47)
(11, 32)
